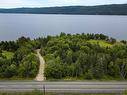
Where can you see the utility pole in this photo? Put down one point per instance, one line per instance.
(44, 90)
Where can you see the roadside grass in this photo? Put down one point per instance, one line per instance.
(106, 78)
(16, 79)
(7, 54)
(36, 92)
(102, 43)
(40, 93)
(125, 93)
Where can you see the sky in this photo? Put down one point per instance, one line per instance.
(49, 3)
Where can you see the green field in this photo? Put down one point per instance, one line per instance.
(100, 42)
(7, 54)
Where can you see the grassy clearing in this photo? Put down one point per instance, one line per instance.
(37, 92)
(102, 43)
(7, 54)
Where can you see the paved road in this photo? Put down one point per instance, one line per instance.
(40, 75)
(73, 87)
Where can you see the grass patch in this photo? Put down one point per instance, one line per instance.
(104, 79)
(8, 54)
(17, 78)
(102, 43)
(36, 92)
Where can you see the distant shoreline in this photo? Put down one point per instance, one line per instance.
(61, 14)
(114, 9)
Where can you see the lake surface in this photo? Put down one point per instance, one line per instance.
(13, 26)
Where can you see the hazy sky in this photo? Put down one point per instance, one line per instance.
(46, 3)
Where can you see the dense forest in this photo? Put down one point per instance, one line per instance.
(115, 9)
(77, 56)
(18, 59)
(85, 56)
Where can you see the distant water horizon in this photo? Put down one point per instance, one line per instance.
(13, 26)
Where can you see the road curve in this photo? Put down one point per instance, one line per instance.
(66, 87)
(40, 75)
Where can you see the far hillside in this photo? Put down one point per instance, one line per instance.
(114, 9)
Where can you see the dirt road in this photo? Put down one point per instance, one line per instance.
(40, 75)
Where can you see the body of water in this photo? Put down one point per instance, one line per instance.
(13, 26)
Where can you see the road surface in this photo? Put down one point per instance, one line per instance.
(66, 87)
(40, 75)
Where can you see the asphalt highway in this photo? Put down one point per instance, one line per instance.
(65, 87)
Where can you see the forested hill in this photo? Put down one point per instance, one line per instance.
(115, 9)
(67, 57)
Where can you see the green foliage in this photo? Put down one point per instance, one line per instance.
(90, 56)
(7, 54)
(29, 67)
(78, 56)
(54, 69)
(100, 42)
(19, 61)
